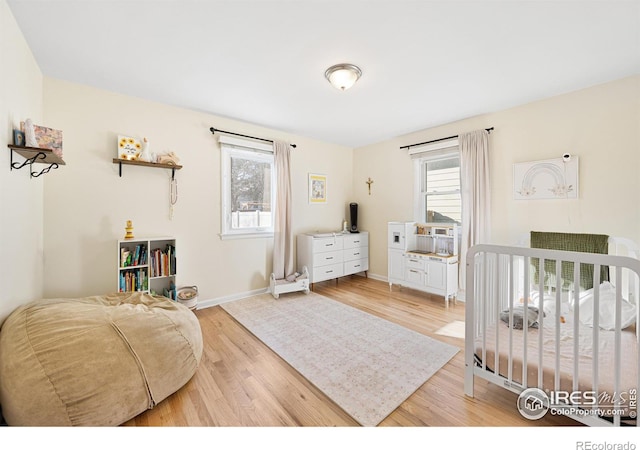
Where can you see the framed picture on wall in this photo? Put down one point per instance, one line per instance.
(548, 179)
(317, 188)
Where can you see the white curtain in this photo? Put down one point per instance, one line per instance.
(476, 194)
(283, 265)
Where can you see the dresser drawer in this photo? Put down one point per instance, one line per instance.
(351, 254)
(356, 266)
(327, 272)
(327, 244)
(327, 258)
(356, 240)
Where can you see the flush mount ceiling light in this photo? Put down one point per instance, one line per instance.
(343, 76)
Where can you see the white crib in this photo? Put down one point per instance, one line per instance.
(581, 352)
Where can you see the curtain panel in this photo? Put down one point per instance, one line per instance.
(283, 265)
(476, 194)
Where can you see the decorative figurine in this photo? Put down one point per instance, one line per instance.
(129, 229)
(146, 153)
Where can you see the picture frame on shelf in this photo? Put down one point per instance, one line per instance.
(317, 188)
(46, 137)
(129, 148)
(18, 138)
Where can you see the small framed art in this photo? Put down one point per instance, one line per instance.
(18, 138)
(317, 188)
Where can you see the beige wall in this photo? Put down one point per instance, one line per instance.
(20, 196)
(600, 125)
(87, 203)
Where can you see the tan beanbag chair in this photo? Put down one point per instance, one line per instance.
(95, 361)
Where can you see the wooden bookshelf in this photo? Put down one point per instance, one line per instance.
(120, 162)
(30, 152)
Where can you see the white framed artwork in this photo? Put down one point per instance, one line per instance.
(548, 179)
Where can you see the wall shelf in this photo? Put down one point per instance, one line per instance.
(34, 155)
(120, 162)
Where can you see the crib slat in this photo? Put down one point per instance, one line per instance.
(541, 278)
(596, 327)
(576, 324)
(511, 297)
(617, 358)
(527, 262)
(556, 381)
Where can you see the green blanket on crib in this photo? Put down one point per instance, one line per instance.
(574, 242)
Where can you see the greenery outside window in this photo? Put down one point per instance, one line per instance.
(248, 189)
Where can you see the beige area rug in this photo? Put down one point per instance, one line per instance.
(366, 365)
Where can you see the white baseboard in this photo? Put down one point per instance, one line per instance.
(229, 298)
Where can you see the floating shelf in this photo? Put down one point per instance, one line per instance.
(120, 162)
(36, 155)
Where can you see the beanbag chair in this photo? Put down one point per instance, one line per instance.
(94, 361)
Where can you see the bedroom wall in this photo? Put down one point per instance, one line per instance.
(21, 220)
(600, 125)
(87, 204)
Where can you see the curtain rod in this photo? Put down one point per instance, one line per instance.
(213, 131)
(438, 140)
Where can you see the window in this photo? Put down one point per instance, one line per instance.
(248, 188)
(438, 197)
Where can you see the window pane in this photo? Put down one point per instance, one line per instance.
(250, 193)
(444, 208)
(442, 197)
(443, 175)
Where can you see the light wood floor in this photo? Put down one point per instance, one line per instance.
(241, 382)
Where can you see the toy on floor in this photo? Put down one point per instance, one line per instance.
(294, 283)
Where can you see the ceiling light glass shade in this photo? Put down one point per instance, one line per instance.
(343, 76)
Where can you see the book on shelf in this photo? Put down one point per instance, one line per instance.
(171, 292)
(134, 280)
(163, 263)
(135, 257)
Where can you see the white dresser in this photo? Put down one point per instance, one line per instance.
(333, 255)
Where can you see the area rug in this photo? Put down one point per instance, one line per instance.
(366, 365)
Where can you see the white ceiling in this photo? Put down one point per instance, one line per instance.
(424, 63)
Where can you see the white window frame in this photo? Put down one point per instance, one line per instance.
(422, 155)
(233, 147)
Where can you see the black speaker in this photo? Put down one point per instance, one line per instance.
(353, 207)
